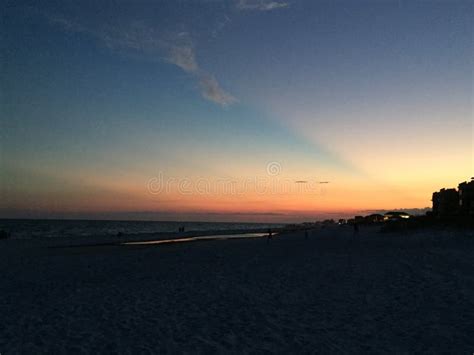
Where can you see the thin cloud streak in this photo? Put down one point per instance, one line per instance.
(260, 5)
(182, 54)
(180, 50)
(177, 49)
(183, 57)
(211, 90)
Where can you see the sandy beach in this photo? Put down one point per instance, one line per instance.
(330, 293)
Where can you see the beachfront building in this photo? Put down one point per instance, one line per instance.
(466, 197)
(445, 202)
(395, 216)
(449, 202)
(374, 218)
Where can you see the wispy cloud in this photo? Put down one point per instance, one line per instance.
(184, 57)
(220, 25)
(177, 49)
(180, 51)
(211, 90)
(182, 54)
(260, 5)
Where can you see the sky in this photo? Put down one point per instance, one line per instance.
(239, 110)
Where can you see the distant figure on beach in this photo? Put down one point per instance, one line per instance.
(305, 234)
(4, 234)
(181, 229)
(356, 229)
(270, 235)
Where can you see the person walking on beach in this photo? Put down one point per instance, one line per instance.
(269, 236)
(356, 229)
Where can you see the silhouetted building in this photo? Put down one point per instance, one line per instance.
(328, 222)
(374, 218)
(445, 202)
(466, 197)
(435, 201)
(395, 216)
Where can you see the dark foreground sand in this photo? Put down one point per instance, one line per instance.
(382, 293)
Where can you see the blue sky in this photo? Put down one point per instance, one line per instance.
(370, 93)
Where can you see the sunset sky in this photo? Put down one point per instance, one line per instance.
(233, 110)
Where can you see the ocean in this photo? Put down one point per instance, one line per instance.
(47, 228)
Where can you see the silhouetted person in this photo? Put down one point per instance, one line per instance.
(356, 229)
(305, 234)
(269, 236)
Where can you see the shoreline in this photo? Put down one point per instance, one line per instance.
(178, 239)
